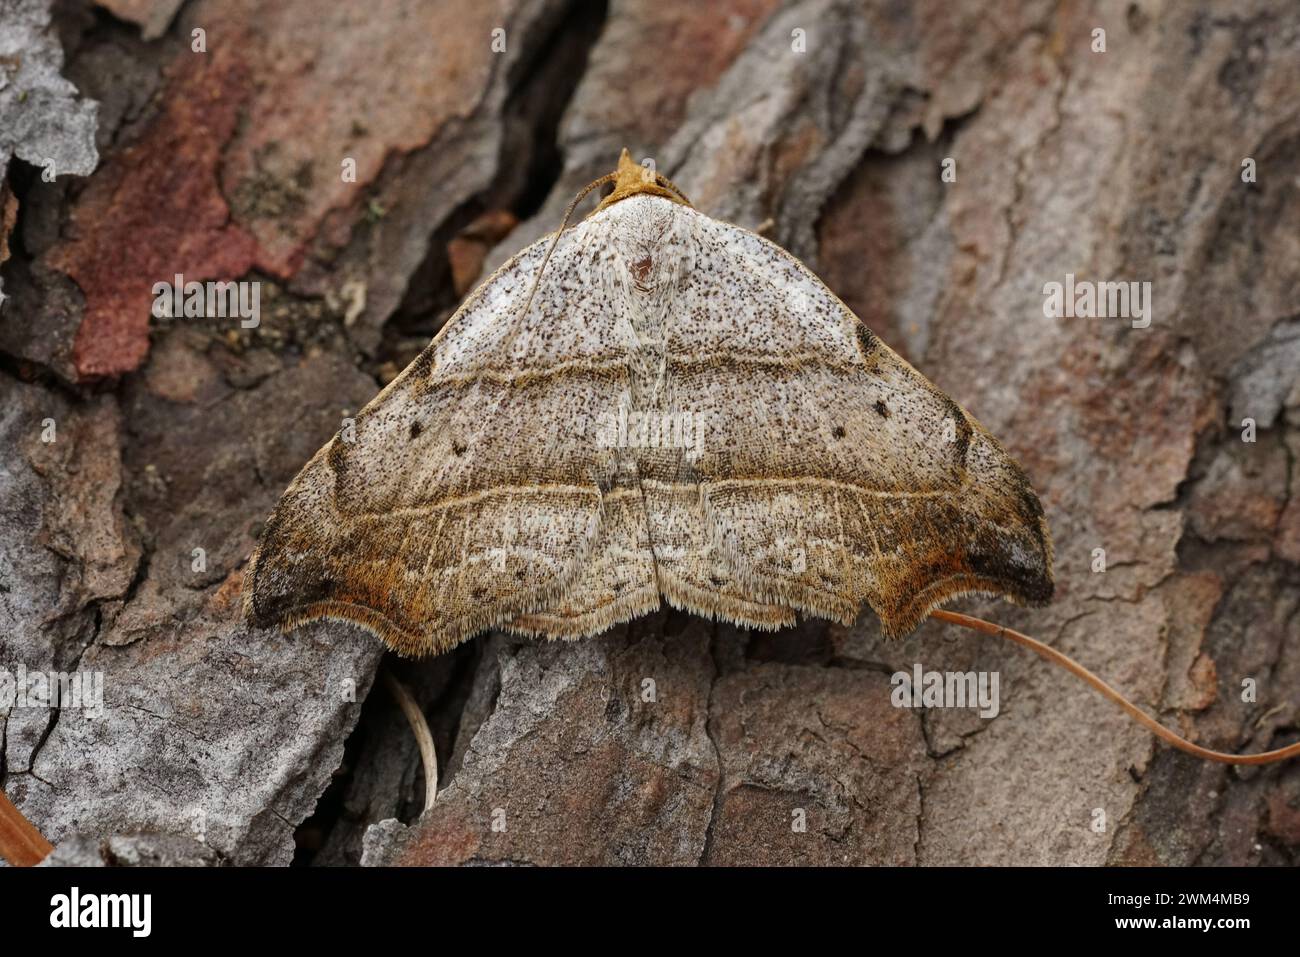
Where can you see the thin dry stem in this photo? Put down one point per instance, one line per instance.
(1140, 716)
(423, 737)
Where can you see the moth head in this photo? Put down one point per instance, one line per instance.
(633, 179)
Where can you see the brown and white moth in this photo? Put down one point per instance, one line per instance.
(674, 408)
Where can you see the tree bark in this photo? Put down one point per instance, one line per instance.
(670, 740)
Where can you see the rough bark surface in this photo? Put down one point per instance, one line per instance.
(671, 739)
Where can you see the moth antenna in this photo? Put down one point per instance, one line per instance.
(665, 182)
(420, 728)
(564, 223)
(1137, 714)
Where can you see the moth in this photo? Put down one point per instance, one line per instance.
(652, 406)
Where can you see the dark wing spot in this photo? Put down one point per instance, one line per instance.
(963, 429)
(838, 432)
(867, 343)
(337, 456)
(881, 409)
(415, 430)
(423, 365)
(458, 447)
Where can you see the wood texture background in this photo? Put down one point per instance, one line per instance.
(172, 435)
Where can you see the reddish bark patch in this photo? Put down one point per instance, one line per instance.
(468, 249)
(156, 210)
(1283, 822)
(8, 216)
